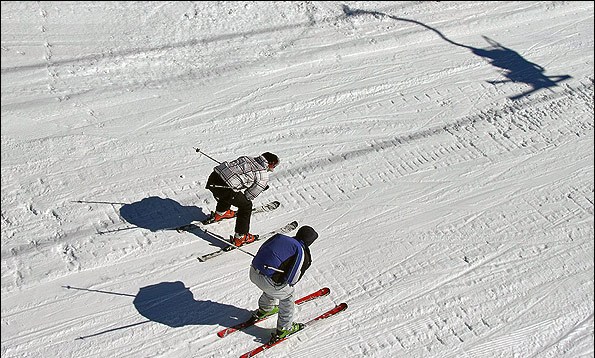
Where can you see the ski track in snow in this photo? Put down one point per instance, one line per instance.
(455, 221)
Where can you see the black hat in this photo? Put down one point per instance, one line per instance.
(271, 158)
(307, 235)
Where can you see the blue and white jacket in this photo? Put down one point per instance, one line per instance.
(284, 253)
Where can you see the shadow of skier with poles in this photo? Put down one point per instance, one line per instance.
(157, 214)
(173, 304)
(515, 68)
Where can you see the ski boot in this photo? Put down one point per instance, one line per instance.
(239, 240)
(284, 333)
(215, 217)
(260, 314)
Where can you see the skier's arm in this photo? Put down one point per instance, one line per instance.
(307, 262)
(261, 182)
(292, 268)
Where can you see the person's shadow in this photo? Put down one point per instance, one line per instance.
(173, 304)
(515, 68)
(155, 214)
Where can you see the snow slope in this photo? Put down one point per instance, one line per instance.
(443, 151)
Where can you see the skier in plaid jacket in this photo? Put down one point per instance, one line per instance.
(238, 183)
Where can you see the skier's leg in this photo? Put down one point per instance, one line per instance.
(222, 195)
(273, 293)
(244, 213)
(266, 302)
(286, 309)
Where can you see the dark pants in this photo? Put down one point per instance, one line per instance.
(226, 197)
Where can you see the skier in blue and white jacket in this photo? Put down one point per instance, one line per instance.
(277, 266)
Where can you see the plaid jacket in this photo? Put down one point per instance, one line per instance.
(245, 173)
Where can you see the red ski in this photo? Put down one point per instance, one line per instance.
(320, 293)
(339, 308)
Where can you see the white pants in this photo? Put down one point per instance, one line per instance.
(271, 293)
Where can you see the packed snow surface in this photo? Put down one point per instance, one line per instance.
(442, 150)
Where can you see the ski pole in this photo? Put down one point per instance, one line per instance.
(218, 237)
(220, 186)
(208, 156)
